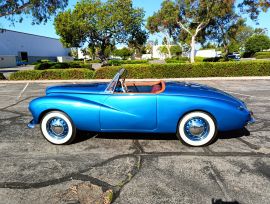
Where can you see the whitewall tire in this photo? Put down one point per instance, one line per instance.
(58, 128)
(197, 129)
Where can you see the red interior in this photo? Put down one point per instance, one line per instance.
(156, 88)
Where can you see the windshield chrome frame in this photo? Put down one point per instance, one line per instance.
(112, 85)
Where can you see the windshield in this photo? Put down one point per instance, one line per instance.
(116, 81)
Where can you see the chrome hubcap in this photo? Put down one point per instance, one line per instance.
(57, 128)
(196, 128)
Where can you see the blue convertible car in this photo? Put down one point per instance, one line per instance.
(194, 112)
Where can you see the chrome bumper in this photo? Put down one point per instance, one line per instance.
(251, 121)
(31, 124)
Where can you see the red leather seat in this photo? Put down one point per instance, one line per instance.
(156, 88)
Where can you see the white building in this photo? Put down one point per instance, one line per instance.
(208, 53)
(29, 47)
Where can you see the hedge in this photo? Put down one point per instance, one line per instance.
(120, 62)
(2, 77)
(262, 55)
(52, 74)
(61, 65)
(139, 71)
(186, 59)
(175, 61)
(205, 69)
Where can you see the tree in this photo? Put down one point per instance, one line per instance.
(164, 21)
(195, 16)
(41, 10)
(253, 7)
(175, 50)
(187, 17)
(137, 41)
(257, 43)
(224, 30)
(101, 24)
(124, 53)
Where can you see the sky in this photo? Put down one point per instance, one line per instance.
(150, 6)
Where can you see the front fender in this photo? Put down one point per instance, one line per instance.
(84, 113)
(227, 115)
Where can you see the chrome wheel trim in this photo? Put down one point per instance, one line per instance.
(57, 128)
(207, 134)
(49, 131)
(196, 128)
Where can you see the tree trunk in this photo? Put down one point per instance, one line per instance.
(168, 44)
(169, 51)
(192, 52)
(102, 56)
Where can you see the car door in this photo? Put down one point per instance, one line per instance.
(129, 112)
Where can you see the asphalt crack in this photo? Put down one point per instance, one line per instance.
(251, 146)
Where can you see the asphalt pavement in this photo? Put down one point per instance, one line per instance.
(134, 168)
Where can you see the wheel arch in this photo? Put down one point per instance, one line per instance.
(43, 113)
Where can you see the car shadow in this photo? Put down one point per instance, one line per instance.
(84, 135)
(220, 201)
(234, 134)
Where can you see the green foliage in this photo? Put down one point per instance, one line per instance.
(257, 43)
(101, 24)
(262, 55)
(95, 61)
(199, 59)
(253, 7)
(2, 77)
(62, 65)
(176, 50)
(51, 74)
(124, 53)
(40, 10)
(206, 69)
(177, 60)
(120, 62)
(214, 59)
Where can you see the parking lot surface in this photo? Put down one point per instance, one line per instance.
(134, 168)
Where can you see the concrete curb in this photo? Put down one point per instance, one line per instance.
(165, 79)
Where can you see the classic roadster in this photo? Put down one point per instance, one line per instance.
(194, 112)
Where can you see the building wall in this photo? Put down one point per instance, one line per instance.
(12, 42)
(7, 61)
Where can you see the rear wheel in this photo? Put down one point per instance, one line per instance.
(58, 128)
(197, 129)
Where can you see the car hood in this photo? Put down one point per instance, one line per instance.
(198, 90)
(93, 88)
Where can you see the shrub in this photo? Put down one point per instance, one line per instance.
(52, 74)
(120, 62)
(95, 61)
(61, 65)
(2, 77)
(169, 61)
(213, 59)
(262, 55)
(199, 59)
(206, 69)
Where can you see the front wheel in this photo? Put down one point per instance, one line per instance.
(58, 128)
(197, 129)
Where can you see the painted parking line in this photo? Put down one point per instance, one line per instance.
(22, 91)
